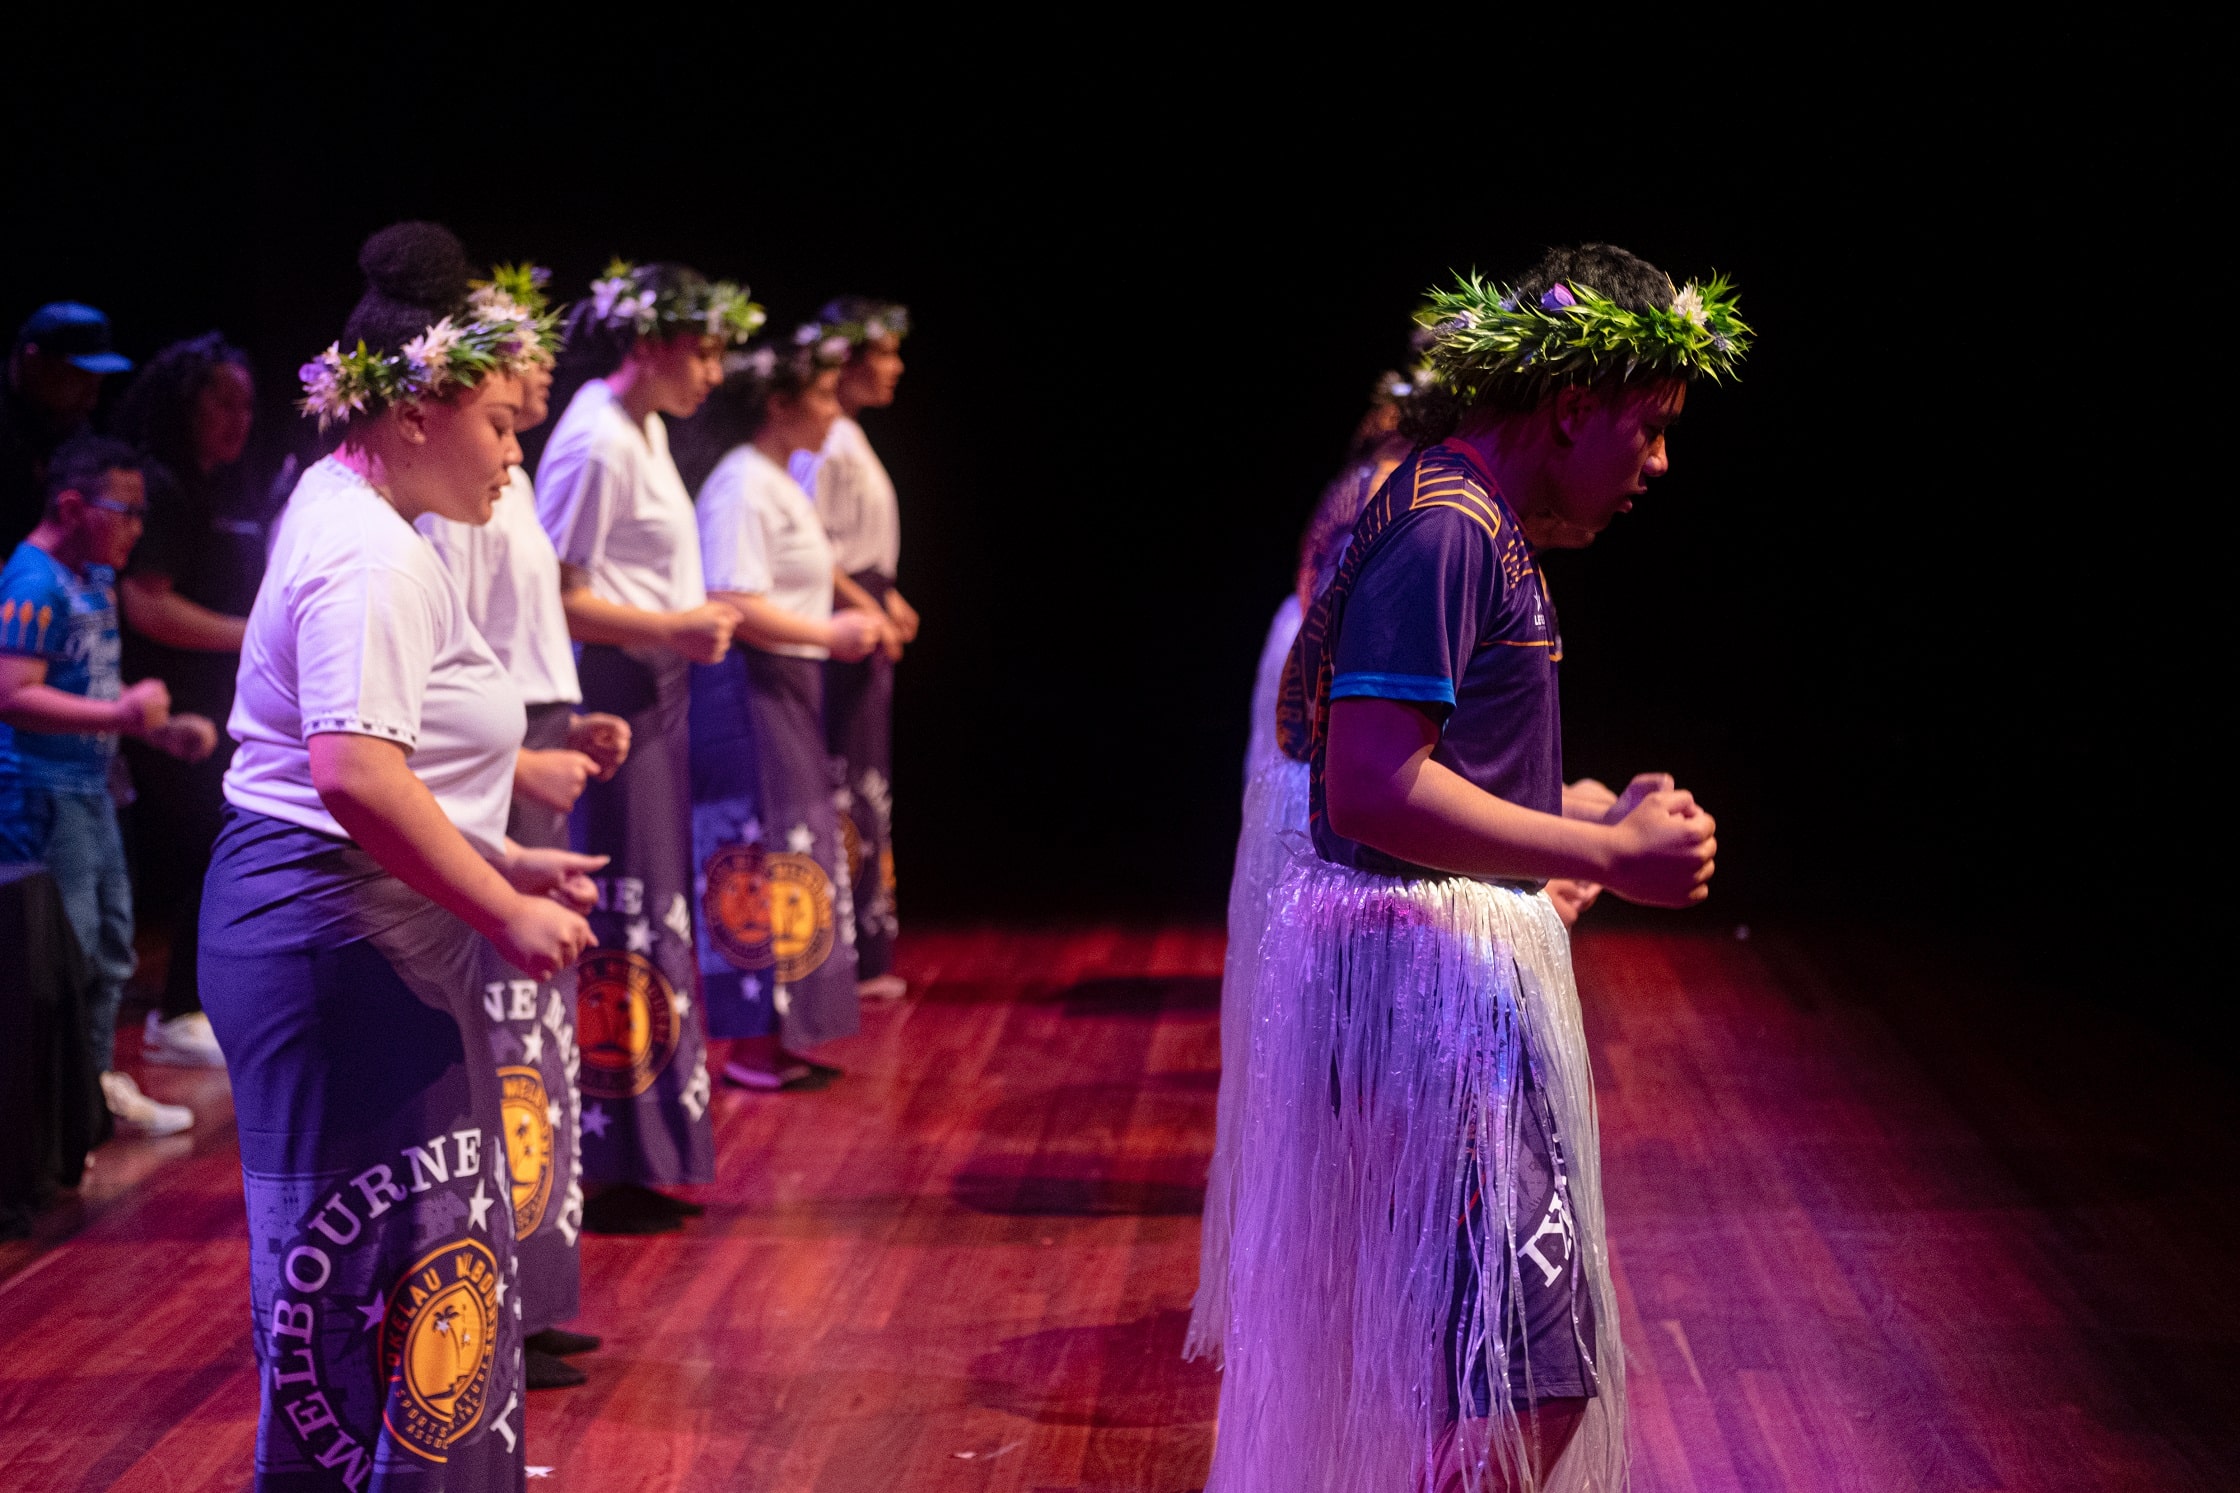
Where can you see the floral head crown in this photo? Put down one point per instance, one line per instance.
(626, 299)
(879, 321)
(816, 345)
(515, 292)
(502, 328)
(1485, 334)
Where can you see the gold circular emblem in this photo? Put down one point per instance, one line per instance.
(626, 1023)
(735, 906)
(800, 915)
(437, 1344)
(528, 1116)
(768, 910)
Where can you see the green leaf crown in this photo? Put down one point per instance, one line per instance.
(503, 327)
(1483, 334)
(515, 292)
(623, 299)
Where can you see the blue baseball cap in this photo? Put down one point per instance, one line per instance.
(65, 329)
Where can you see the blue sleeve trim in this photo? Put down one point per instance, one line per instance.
(1434, 689)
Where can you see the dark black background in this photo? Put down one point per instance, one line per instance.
(1926, 611)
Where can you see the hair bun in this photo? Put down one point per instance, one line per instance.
(423, 264)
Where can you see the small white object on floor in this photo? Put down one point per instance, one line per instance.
(135, 1111)
(988, 1456)
(182, 1042)
(540, 1472)
(883, 988)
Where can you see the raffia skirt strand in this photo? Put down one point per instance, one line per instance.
(1275, 804)
(1405, 1033)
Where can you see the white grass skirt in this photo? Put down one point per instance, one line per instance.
(1275, 804)
(1394, 1025)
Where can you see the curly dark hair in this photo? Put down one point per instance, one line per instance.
(416, 273)
(156, 413)
(1608, 270)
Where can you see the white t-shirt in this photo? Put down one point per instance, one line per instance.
(760, 536)
(611, 500)
(855, 498)
(511, 579)
(358, 628)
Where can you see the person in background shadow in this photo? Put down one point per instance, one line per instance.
(187, 594)
(53, 382)
(63, 705)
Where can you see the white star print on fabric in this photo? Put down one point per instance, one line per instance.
(595, 1121)
(552, 1112)
(501, 1290)
(684, 1005)
(781, 998)
(373, 1311)
(750, 830)
(799, 840)
(479, 1208)
(750, 986)
(637, 936)
(678, 919)
(532, 1047)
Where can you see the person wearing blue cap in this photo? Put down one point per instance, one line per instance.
(55, 369)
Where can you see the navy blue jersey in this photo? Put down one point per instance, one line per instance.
(1439, 602)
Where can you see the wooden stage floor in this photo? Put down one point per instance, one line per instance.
(1877, 1226)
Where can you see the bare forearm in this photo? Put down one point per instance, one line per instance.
(161, 613)
(765, 624)
(54, 712)
(1382, 788)
(594, 619)
(371, 791)
(1433, 817)
(850, 594)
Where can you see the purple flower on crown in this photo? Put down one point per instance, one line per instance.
(1559, 296)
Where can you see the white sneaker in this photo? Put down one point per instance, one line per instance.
(136, 1111)
(182, 1042)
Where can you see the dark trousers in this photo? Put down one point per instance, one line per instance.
(859, 735)
(174, 825)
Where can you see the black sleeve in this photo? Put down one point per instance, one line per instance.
(166, 546)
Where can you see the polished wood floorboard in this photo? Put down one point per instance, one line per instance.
(1878, 1225)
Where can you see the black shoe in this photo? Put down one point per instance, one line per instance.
(656, 1202)
(625, 1210)
(559, 1342)
(546, 1372)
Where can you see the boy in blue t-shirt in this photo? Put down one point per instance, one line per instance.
(63, 706)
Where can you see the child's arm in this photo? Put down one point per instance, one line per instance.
(29, 703)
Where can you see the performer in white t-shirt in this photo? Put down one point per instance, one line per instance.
(777, 935)
(510, 578)
(364, 906)
(619, 517)
(856, 499)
